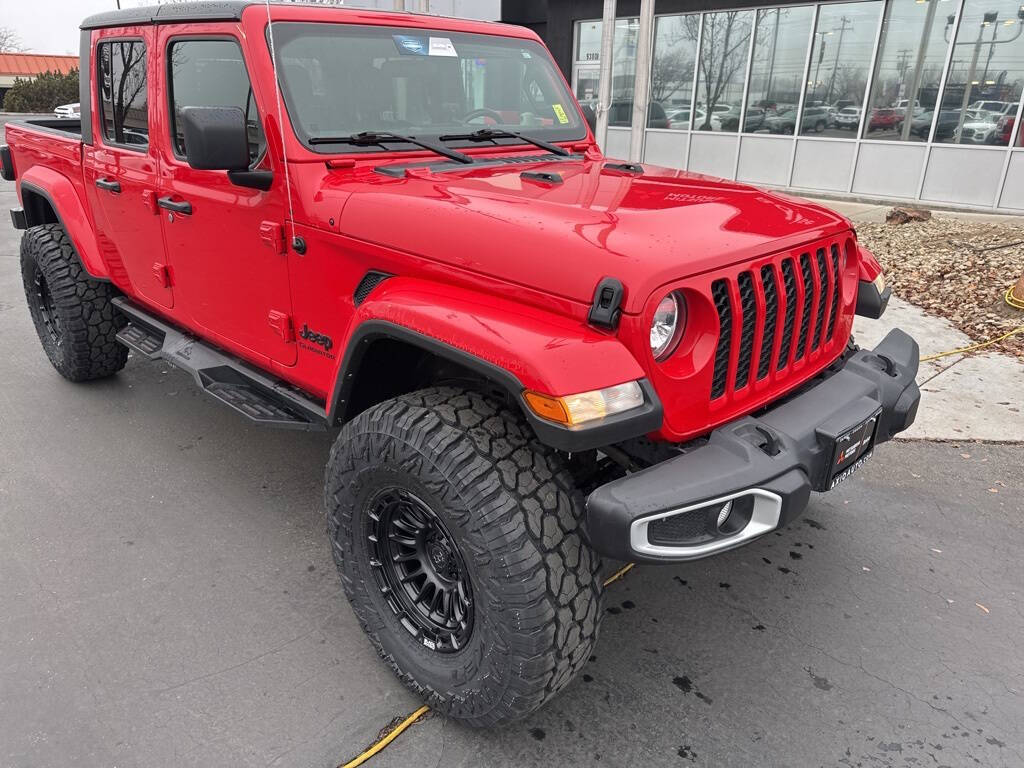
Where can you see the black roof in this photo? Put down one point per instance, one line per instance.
(207, 10)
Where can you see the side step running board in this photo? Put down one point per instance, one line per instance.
(254, 394)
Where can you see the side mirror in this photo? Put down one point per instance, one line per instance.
(217, 139)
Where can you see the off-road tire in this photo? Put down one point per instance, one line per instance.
(511, 507)
(73, 314)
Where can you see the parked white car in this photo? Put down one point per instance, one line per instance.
(68, 111)
(998, 107)
(848, 117)
(680, 117)
(901, 106)
(980, 127)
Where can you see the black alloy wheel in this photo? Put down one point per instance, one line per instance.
(47, 309)
(419, 570)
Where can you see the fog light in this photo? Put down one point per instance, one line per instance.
(723, 514)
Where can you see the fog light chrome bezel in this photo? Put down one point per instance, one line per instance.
(764, 518)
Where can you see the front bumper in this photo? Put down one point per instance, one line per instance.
(767, 464)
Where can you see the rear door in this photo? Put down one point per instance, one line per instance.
(121, 164)
(230, 264)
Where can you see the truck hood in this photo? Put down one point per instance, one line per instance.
(562, 237)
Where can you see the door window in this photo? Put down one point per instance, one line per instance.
(123, 98)
(211, 73)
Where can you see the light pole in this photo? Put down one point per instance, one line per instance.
(844, 25)
(821, 55)
(989, 19)
(922, 50)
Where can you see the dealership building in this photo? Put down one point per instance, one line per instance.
(902, 100)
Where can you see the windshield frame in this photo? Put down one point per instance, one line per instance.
(569, 134)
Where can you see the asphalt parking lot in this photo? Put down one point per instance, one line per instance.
(167, 598)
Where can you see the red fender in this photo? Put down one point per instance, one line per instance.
(71, 212)
(549, 353)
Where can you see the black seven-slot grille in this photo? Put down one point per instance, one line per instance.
(798, 293)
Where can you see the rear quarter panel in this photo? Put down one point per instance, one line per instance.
(50, 161)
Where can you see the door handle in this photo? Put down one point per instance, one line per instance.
(181, 206)
(109, 185)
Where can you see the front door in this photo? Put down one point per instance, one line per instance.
(225, 241)
(121, 166)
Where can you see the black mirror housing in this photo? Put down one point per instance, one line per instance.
(216, 138)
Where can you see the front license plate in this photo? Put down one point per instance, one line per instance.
(852, 450)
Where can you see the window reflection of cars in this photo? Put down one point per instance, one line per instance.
(980, 127)
(730, 121)
(901, 106)
(1004, 130)
(998, 107)
(848, 117)
(886, 119)
(680, 118)
(717, 110)
(621, 115)
(783, 121)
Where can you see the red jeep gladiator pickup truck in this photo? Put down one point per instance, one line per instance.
(538, 357)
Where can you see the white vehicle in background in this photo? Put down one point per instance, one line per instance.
(901, 106)
(980, 127)
(848, 117)
(680, 117)
(997, 107)
(68, 111)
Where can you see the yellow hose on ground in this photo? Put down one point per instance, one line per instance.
(378, 746)
(373, 750)
(1014, 302)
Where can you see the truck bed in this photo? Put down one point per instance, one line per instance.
(61, 127)
(44, 149)
(55, 145)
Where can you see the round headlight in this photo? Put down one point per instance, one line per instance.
(666, 327)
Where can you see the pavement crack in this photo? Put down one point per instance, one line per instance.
(240, 664)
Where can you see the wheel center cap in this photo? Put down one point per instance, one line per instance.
(439, 554)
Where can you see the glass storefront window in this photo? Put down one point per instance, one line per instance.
(675, 54)
(780, 51)
(587, 69)
(837, 78)
(721, 69)
(908, 70)
(985, 76)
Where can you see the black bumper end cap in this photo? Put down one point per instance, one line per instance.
(871, 303)
(18, 218)
(6, 163)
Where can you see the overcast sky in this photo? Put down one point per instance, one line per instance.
(51, 26)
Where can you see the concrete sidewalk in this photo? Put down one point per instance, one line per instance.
(964, 397)
(978, 396)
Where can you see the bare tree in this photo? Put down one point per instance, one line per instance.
(670, 73)
(723, 54)
(9, 41)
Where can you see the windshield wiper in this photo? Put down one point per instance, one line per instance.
(369, 138)
(485, 134)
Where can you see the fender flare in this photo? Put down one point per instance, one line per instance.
(60, 193)
(424, 315)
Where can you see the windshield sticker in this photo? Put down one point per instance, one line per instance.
(560, 113)
(441, 46)
(410, 46)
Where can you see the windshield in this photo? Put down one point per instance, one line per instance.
(341, 79)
